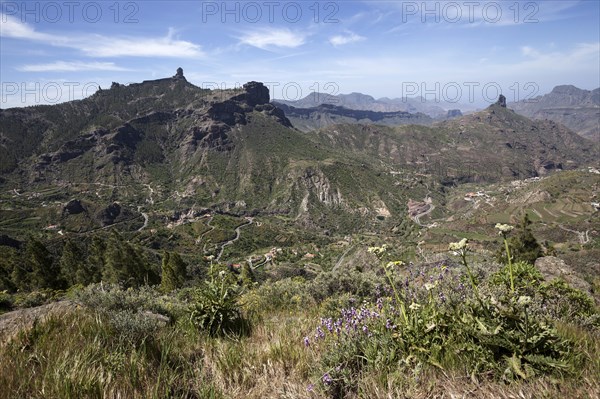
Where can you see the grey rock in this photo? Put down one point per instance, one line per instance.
(552, 268)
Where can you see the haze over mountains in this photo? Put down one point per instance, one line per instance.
(324, 115)
(364, 102)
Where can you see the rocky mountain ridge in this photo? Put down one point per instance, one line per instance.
(577, 109)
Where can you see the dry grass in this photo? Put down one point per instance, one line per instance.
(77, 356)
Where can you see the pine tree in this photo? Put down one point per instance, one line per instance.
(247, 276)
(95, 263)
(126, 265)
(8, 263)
(179, 269)
(45, 273)
(527, 249)
(71, 261)
(167, 281)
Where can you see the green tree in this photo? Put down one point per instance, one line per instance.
(70, 262)
(174, 272)
(523, 245)
(8, 263)
(45, 273)
(247, 275)
(125, 264)
(92, 271)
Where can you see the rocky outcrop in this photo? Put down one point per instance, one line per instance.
(73, 207)
(179, 74)
(317, 183)
(255, 93)
(552, 268)
(109, 214)
(501, 101)
(453, 113)
(12, 323)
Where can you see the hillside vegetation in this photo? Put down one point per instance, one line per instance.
(161, 240)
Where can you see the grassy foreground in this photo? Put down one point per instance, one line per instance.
(443, 330)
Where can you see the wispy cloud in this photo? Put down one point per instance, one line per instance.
(105, 46)
(347, 38)
(72, 66)
(274, 37)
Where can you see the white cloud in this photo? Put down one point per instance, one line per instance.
(71, 66)
(140, 47)
(105, 46)
(266, 38)
(350, 37)
(529, 52)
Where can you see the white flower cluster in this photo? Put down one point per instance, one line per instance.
(391, 265)
(524, 300)
(378, 250)
(504, 228)
(458, 246)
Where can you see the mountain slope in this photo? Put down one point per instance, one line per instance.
(364, 102)
(307, 119)
(166, 147)
(577, 109)
(490, 145)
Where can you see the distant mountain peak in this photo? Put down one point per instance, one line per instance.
(567, 89)
(576, 108)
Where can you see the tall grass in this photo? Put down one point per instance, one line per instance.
(91, 352)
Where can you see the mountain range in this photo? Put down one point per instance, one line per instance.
(577, 109)
(364, 102)
(324, 115)
(166, 147)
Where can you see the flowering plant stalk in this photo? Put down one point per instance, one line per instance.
(504, 229)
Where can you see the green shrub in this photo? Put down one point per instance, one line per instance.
(492, 330)
(216, 305)
(527, 278)
(35, 298)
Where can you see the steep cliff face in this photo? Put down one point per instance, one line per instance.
(317, 184)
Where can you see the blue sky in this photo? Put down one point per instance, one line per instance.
(462, 51)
